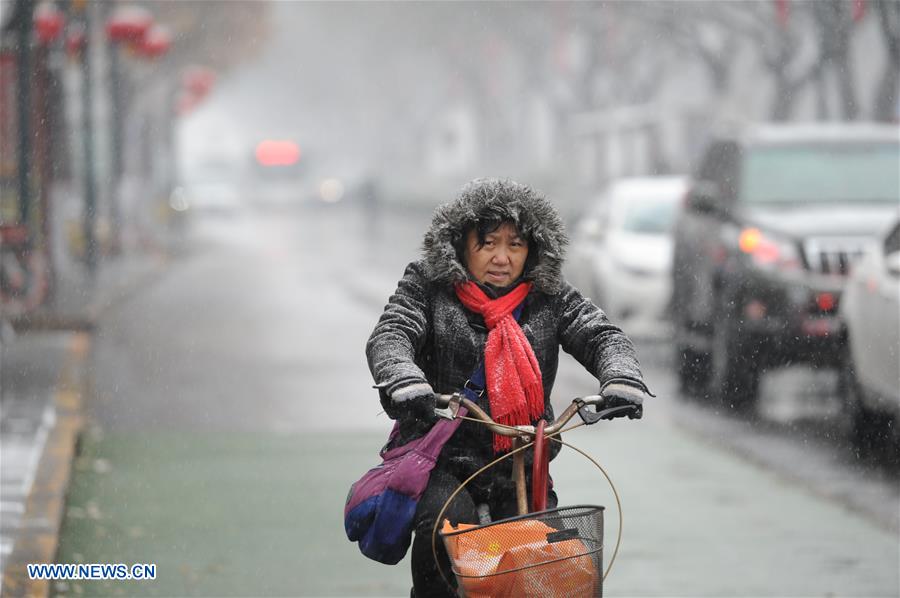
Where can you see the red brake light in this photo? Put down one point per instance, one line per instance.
(825, 301)
(277, 153)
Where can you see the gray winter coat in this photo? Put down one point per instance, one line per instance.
(425, 334)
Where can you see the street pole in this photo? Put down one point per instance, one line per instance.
(115, 77)
(90, 186)
(26, 9)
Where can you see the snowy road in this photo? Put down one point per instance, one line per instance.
(250, 349)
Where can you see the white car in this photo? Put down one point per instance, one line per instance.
(220, 198)
(870, 307)
(622, 250)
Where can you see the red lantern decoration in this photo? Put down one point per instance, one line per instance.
(75, 40)
(782, 12)
(48, 22)
(156, 42)
(185, 103)
(198, 80)
(128, 23)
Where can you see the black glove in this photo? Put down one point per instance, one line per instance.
(620, 395)
(416, 400)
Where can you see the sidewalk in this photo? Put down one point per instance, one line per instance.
(30, 372)
(42, 379)
(79, 297)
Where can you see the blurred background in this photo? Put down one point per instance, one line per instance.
(204, 206)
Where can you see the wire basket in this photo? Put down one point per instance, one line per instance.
(558, 552)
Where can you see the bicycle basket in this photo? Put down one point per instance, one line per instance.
(558, 552)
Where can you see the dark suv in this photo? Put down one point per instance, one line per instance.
(773, 219)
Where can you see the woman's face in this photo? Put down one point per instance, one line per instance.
(501, 260)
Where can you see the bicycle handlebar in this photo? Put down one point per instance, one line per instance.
(449, 404)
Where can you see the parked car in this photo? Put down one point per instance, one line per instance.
(871, 310)
(774, 218)
(622, 250)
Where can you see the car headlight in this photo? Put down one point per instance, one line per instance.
(769, 251)
(178, 200)
(331, 190)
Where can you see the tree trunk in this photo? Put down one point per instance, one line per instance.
(841, 63)
(886, 100)
(887, 103)
(821, 95)
(849, 104)
(843, 71)
(835, 29)
(783, 102)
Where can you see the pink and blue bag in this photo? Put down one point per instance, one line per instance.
(381, 505)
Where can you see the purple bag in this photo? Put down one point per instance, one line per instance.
(381, 505)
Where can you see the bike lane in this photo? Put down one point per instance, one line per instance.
(257, 514)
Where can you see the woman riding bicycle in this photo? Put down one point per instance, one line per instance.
(488, 290)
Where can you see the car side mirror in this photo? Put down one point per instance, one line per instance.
(705, 197)
(892, 262)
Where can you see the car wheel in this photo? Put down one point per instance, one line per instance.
(871, 432)
(693, 368)
(733, 372)
(692, 364)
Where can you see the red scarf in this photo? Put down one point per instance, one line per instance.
(514, 383)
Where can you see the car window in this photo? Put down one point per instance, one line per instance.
(821, 173)
(892, 242)
(648, 215)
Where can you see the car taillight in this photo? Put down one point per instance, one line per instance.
(826, 302)
(768, 251)
(277, 153)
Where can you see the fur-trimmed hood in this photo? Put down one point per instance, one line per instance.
(496, 199)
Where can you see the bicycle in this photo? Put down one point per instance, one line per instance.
(24, 272)
(541, 552)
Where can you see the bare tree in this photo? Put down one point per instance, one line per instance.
(835, 27)
(780, 46)
(697, 30)
(216, 34)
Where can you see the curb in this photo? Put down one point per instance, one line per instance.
(38, 537)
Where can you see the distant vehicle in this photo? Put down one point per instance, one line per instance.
(279, 174)
(210, 186)
(622, 250)
(774, 219)
(871, 309)
(219, 198)
(347, 183)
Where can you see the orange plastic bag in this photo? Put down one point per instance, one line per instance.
(488, 561)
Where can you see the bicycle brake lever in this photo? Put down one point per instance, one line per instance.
(590, 418)
(452, 408)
